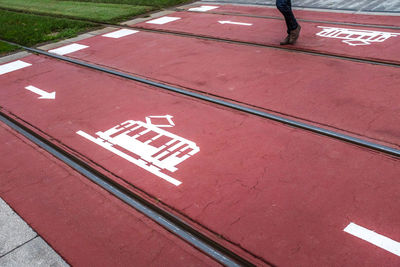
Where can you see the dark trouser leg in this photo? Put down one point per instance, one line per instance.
(285, 7)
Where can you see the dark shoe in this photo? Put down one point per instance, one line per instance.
(294, 35)
(286, 40)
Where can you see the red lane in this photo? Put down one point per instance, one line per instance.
(327, 16)
(336, 39)
(355, 97)
(287, 200)
(82, 222)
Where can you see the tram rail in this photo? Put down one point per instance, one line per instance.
(221, 102)
(168, 220)
(161, 216)
(178, 9)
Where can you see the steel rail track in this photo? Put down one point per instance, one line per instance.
(278, 47)
(331, 9)
(164, 218)
(297, 124)
(304, 20)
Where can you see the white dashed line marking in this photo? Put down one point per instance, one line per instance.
(68, 49)
(203, 8)
(163, 20)
(13, 66)
(120, 33)
(374, 238)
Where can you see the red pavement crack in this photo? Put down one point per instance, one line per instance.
(208, 204)
(254, 187)
(187, 207)
(377, 115)
(158, 254)
(296, 250)
(235, 221)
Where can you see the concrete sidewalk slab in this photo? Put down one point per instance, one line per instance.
(20, 245)
(14, 232)
(34, 253)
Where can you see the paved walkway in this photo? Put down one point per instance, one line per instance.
(21, 246)
(353, 5)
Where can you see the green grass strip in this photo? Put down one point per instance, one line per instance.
(154, 3)
(7, 48)
(29, 29)
(100, 12)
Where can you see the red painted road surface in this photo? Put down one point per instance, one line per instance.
(355, 97)
(272, 31)
(283, 194)
(326, 16)
(82, 222)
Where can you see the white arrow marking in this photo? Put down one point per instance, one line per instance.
(236, 23)
(43, 94)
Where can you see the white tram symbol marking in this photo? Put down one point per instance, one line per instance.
(147, 146)
(356, 37)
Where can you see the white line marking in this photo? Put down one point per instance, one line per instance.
(203, 8)
(43, 94)
(163, 20)
(374, 238)
(13, 66)
(120, 33)
(235, 23)
(68, 49)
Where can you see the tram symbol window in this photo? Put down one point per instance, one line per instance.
(146, 145)
(356, 37)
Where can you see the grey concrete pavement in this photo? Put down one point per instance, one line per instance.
(34, 253)
(20, 246)
(13, 230)
(351, 5)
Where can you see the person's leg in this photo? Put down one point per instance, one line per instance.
(293, 28)
(285, 7)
